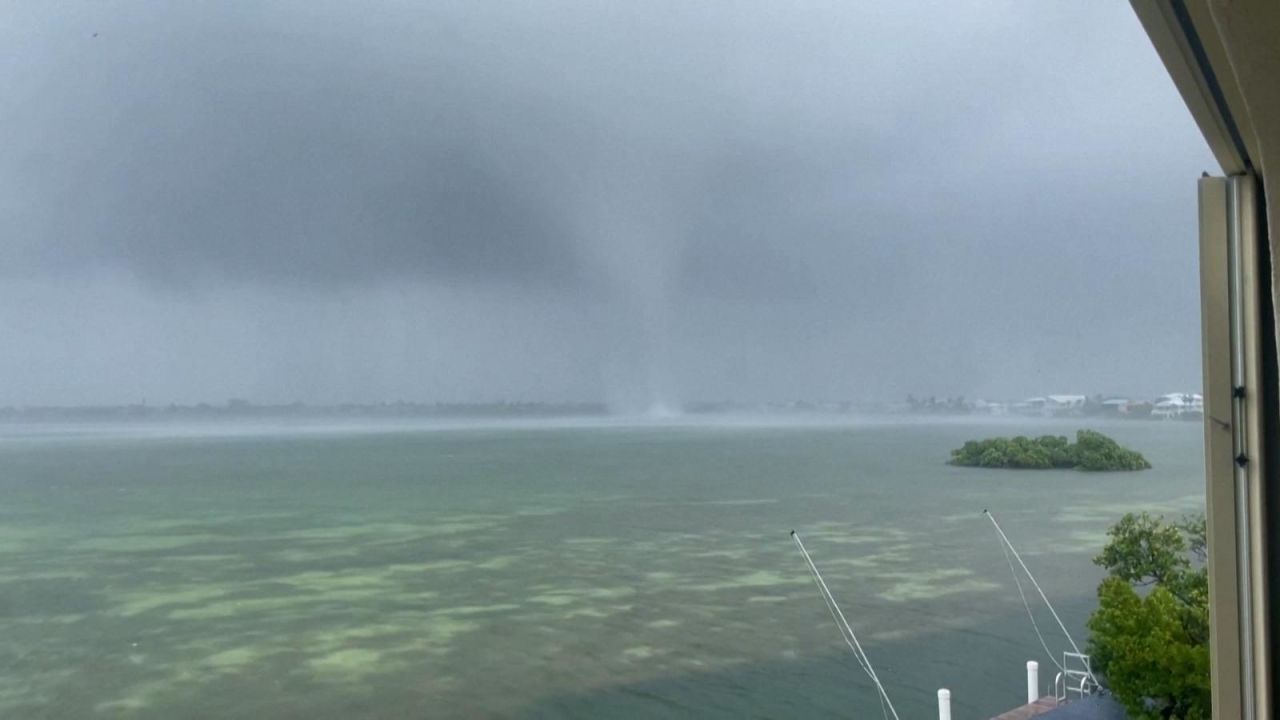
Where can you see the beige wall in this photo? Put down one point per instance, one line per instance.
(1250, 35)
(1239, 41)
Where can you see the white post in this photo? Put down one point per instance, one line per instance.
(944, 704)
(1033, 681)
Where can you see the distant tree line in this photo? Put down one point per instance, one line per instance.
(947, 406)
(237, 409)
(1093, 406)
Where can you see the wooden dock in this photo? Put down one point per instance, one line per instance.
(1043, 705)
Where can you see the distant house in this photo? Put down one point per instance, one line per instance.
(1031, 406)
(990, 408)
(1050, 405)
(1138, 409)
(1115, 406)
(1176, 406)
(1064, 404)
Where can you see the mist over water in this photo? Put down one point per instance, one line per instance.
(620, 568)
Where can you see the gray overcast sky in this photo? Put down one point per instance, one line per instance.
(561, 199)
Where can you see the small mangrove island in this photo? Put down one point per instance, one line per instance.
(1092, 451)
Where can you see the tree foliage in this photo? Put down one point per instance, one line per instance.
(1092, 451)
(1150, 634)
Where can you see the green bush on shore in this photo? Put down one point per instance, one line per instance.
(1149, 637)
(1092, 451)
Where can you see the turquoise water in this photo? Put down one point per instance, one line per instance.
(582, 570)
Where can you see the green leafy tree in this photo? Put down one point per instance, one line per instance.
(1149, 637)
(1092, 451)
(1095, 451)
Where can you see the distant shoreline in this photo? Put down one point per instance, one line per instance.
(243, 410)
(238, 410)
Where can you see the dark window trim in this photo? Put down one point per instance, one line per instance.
(1211, 80)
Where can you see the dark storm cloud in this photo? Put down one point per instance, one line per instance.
(261, 146)
(338, 143)
(554, 199)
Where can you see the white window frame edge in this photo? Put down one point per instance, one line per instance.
(1232, 291)
(1231, 297)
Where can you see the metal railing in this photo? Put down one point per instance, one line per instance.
(1076, 679)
